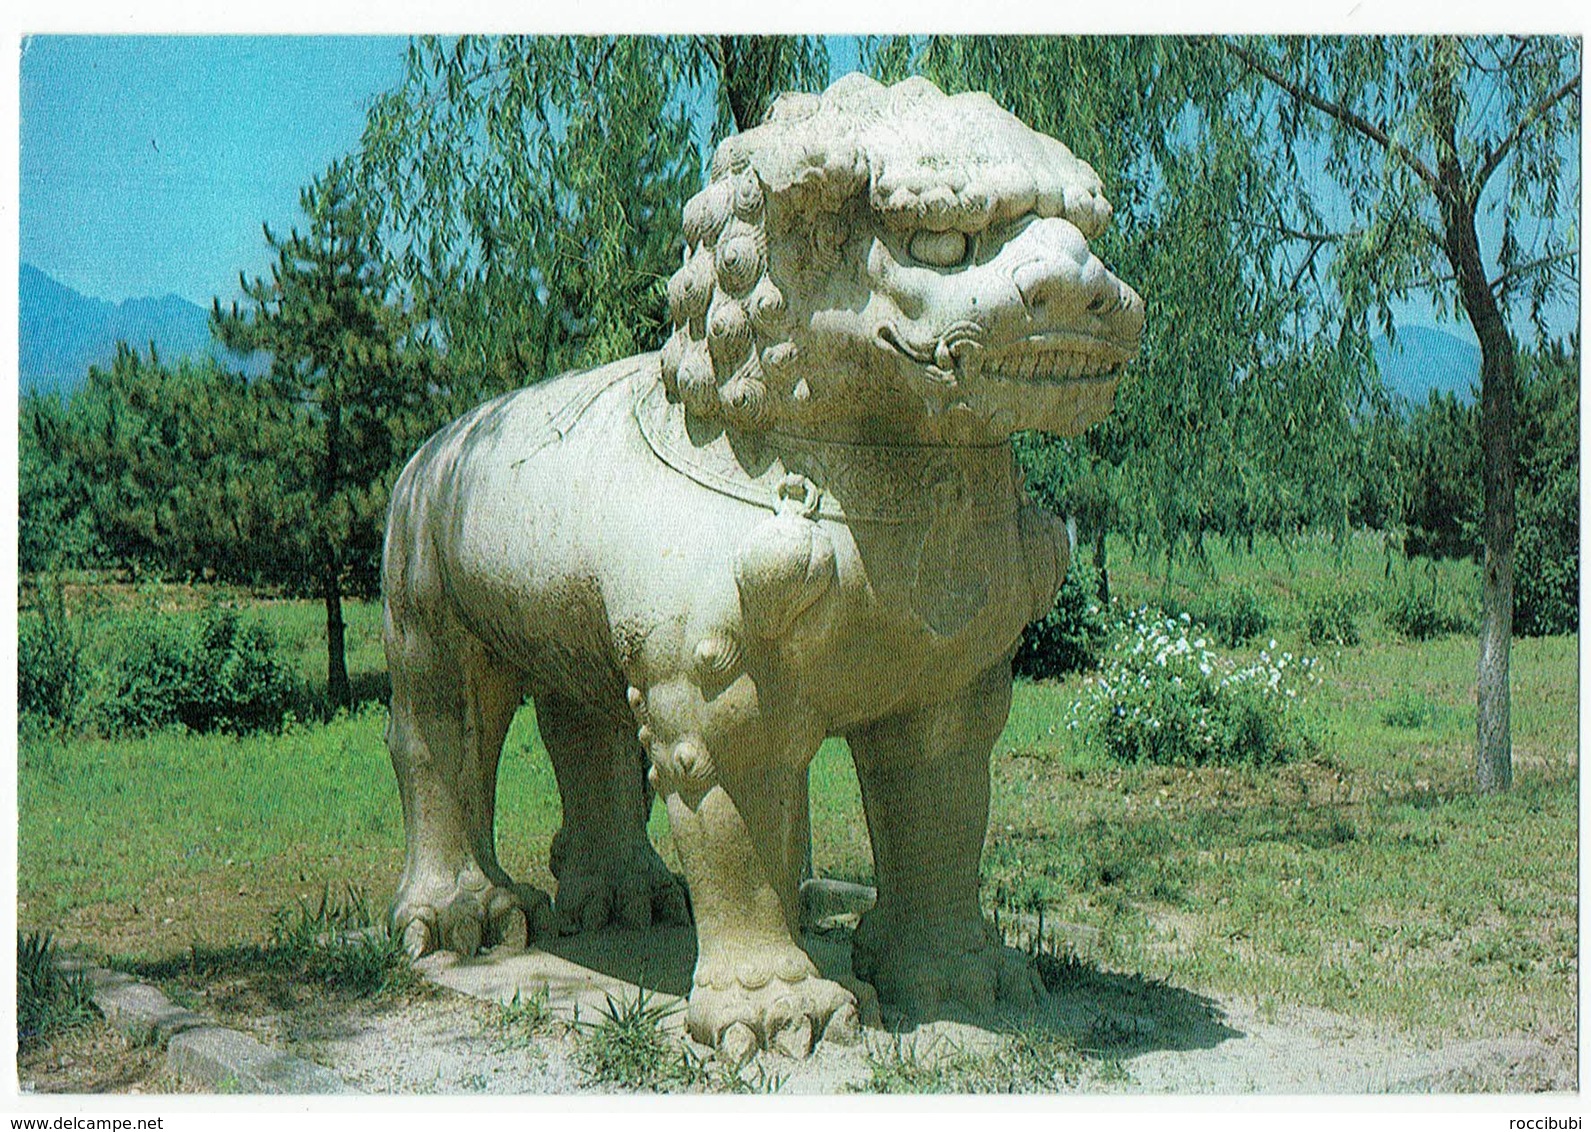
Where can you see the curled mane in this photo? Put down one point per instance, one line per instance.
(924, 159)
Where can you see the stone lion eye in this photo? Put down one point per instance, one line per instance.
(940, 249)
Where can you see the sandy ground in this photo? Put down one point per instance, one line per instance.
(1162, 1039)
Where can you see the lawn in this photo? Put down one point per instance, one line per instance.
(1368, 879)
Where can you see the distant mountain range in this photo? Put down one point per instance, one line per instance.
(60, 333)
(1424, 360)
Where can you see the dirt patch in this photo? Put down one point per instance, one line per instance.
(96, 1059)
(1120, 1033)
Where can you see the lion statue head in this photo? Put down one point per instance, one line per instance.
(893, 263)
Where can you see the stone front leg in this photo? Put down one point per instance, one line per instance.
(734, 786)
(925, 787)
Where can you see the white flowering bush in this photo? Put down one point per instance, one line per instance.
(1163, 696)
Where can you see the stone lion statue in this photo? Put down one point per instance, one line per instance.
(801, 518)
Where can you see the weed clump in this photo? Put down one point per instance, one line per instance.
(1331, 615)
(627, 1048)
(52, 672)
(337, 944)
(49, 1000)
(1409, 711)
(1419, 611)
(1030, 1061)
(1162, 696)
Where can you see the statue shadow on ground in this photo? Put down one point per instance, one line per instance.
(1106, 1014)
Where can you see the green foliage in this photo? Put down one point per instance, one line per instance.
(1547, 550)
(54, 522)
(158, 468)
(1422, 608)
(1234, 613)
(347, 379)
(1069, 637)
(1440, 454)
(52, 672)
(214, 673)
(351, 369)
(1331, 613)
(48, 999)
(1162, 696)
(535, 184)
(1441, 459)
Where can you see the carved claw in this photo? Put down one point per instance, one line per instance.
(470, 914)
(784, 1012)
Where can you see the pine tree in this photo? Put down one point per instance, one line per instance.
(342, 377)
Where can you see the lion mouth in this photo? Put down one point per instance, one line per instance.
(1050, 358)
(1056, 357)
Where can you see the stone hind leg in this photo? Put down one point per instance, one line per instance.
(451, 708)
(925, 788)
(607, 869)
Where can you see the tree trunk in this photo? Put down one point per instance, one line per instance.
(741, 61)
(1493, 742)
(1100, 566)
(338, 692)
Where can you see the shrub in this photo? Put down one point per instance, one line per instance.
(214, 674)
(1547, 554)
(52, 674)
(1331, 616)
(1235, 614)
(1069, 637)
(1547, 581)
(1161, 697)
(48, 999)
(1421, 610)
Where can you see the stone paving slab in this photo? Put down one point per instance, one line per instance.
(196, 1048)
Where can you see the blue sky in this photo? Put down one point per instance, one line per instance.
(149, 163)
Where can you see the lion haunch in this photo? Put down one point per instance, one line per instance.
(801, 519)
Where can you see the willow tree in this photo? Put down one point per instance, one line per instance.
(531, 186)
(1423, 140)
(1234, 346)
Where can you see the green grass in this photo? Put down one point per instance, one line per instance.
(628, 1048)
(1369, 880)
(1030, 1061)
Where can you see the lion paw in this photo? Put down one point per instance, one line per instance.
(774, 1002)
(633, 891)
(466, 913)
(957, 969)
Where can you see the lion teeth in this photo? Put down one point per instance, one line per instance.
(1026, 362)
